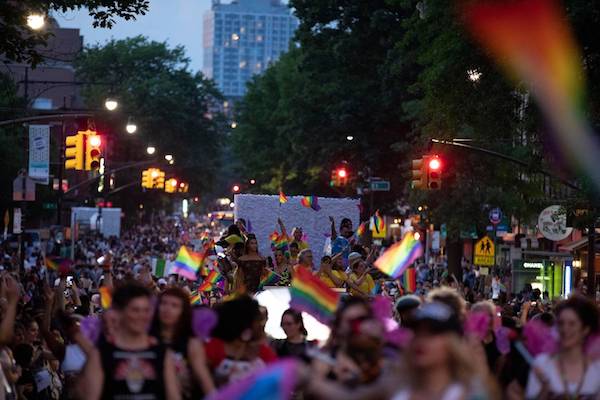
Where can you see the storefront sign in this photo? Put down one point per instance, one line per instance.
(533, 265)
(552, 223)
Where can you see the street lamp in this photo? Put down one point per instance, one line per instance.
(233, 125)
(252, 181)
(131, 127)
(349, 138)
(150, 150)
(111, 104)
(168, 157)
(36, 21)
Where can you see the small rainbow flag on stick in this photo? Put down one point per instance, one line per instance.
(105, 297)
(187, 263)
(282, 197)
(360, 231)
(308, 293)
(311, 202)
(270, 279)
(409, 280)
(210, 281)
(400, 256)
(195, 298)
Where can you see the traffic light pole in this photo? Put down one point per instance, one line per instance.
(61, 169)
(591, 268)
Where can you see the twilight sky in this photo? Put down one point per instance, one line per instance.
(174, 21)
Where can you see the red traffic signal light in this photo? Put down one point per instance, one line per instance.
(434, 173)
(342, 173)
(236, 188)
(435, 164)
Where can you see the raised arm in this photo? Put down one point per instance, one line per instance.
(171, 385)
(333, 232)
(282, 227)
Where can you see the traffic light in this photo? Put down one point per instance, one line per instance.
(434, 173)
(339, 177)
(93, 153)
(183, 187)
(235, 188)
(74, 151)
(147, 178)
(171, 185)
(159, 180)
(419, 177)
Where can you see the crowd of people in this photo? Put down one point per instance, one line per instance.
(449, 339)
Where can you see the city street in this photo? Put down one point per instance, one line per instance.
(299, 199)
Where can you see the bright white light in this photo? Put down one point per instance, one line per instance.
(231, 205)
(150, 150)
(171, 162)
(111, 104)
(417, 236)
(184, 208)
(567, 281)
(233, 125)
(349, 138)
(277, 300)
(235, 36)
(474, 75)
(168, 157)
(131, 127)
(36, 21)
(252, 181)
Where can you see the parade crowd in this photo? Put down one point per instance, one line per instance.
(113, 325)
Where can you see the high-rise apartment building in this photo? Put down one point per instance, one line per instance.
(242, 38)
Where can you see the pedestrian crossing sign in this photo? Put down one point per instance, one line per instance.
(485, 252)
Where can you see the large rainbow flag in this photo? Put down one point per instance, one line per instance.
(400, 256)
(532, 41)
(187, 263)
(308, 293)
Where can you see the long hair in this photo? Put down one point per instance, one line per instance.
(297, 317)
(183, 329)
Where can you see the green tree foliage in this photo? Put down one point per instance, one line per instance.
(394, 74)
(173, 108)
(295, 119)
(13, 141)
(19, 43)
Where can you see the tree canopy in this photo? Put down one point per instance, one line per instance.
(173, 108)
(19, 43)
(394, 74)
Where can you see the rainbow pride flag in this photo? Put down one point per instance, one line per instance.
(532, 41)
(105, 297)
(275, 382)
(282, 197)
(210, 281)
(195, 298)
(310, 202)
(270, 279)
(187, 263)
(378, 222)
(279, 241)
(308, 293)
(409, 280)
(400, 256)
(360, 231)
(57, 263)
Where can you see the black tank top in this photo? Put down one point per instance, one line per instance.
(132, 375)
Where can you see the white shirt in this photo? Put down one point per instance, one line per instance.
(549, 367)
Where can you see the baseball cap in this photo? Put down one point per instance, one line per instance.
(436, 318)
(353, 257)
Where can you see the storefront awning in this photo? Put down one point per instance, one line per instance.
(576, 245)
